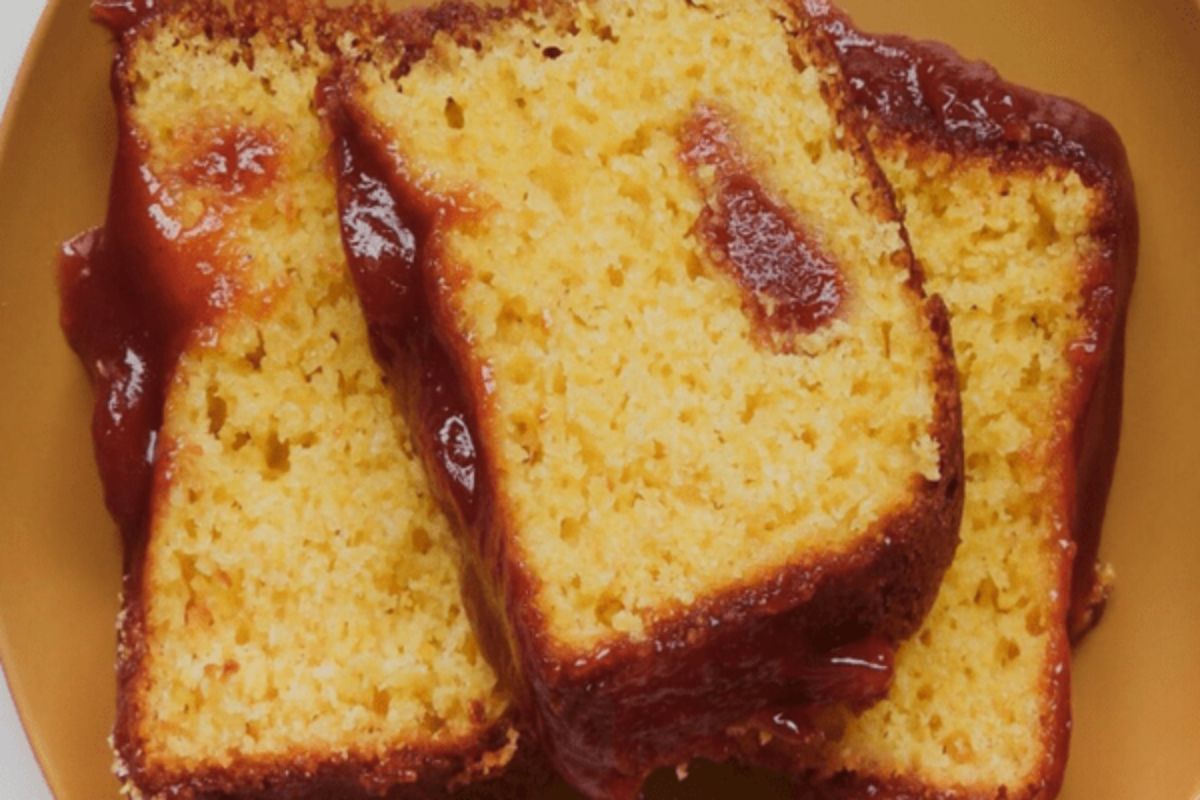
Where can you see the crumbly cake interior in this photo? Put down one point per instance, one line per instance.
(301, 592)
(654, 450)
(1005, 249)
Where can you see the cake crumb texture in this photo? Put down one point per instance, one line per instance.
(653, 450)
(301, 595)
(1007, 249)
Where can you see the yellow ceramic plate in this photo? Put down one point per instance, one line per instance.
(1137, 679)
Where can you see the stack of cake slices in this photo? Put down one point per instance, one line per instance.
(589, 387)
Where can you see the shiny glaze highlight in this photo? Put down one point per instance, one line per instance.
(788, 282)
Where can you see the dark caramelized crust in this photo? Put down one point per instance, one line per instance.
(817, 631)
(136, 296)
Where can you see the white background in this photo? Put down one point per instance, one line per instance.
(20, 777)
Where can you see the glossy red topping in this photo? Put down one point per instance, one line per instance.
(856, 674)
(235, 160)
(859, 674)
(119, 15)
(651, 724)
(381, 246)
(387, 226)
(148, 285)
(121, 347)
(928, 89)
(788, 281)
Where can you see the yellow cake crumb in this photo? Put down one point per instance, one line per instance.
(301, 589)
(1005, 249)
(651, 451)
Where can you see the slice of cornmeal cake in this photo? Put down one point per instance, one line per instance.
(1021, 209)
(654, 315)
(292, 624)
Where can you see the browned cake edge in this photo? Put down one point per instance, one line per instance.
(607, 718)
(114, 273)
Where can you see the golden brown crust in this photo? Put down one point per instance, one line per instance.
(610, 716)
(476, 768)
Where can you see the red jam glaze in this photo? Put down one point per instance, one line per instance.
(763, 681)
(138, 292)
(123, 355)
(928, 92)
(788, 282)
(180, 271)
(235, 160)
(856, 675)
(120, 15)
(390, 232)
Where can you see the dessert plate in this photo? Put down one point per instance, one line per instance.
(1136, 678)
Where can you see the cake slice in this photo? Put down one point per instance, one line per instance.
(1021, 209)
(292, 624)
(650, 307)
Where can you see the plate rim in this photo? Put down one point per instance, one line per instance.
(16, 99)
